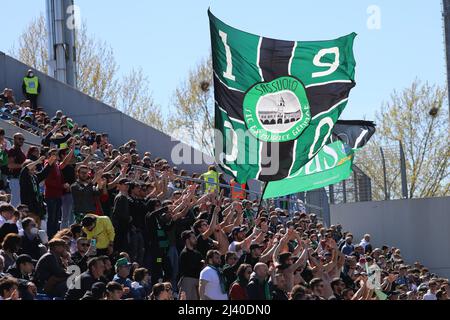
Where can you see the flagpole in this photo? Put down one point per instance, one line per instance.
(265, 184)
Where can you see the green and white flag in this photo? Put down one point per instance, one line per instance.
(331, 165)
(276, 101)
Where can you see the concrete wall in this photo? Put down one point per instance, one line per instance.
(97, 115)
(420, 228)
(11, 129)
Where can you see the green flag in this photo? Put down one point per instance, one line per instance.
(276, 101)
(332, 164)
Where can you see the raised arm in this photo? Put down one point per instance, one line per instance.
(277, 250)
(68, 158)
(212, 225)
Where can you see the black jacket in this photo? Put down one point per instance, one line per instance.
(49, 265)
(6, 229)
(256, 289)
(84, 197)
(121, 212)
(85, 280)
(31, 247)
(80, 261)
(23, 280)
(278, 294)
(30, 194)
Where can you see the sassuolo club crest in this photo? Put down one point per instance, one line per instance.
(277, 111)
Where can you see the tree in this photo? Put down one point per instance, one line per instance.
(32, 48)
(418, 117)
(97, 72)
(193, 119)
(136, 101)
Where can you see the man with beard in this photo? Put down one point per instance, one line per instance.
(121, 216)
(284, 261)
(279, 287)
(51, 274)
(338, 286)
(85, 281)
(160, 228)
(30, 193)
(84, 192)
(138, 210)
(16, 158)
(190, 266)
(212, 283)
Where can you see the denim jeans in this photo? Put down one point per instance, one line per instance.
(137, 249)
(172, 254)
(53, 215)
(66, 209)
(14, 186)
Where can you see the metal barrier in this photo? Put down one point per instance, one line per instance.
(26, 124)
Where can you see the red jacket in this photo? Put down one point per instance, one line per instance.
(54, 184)
(237, 292)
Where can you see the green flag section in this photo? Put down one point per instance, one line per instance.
(381, 295)
(276, 101)
(331, 165)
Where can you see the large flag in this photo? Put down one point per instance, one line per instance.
(331, 165)
(276, 101)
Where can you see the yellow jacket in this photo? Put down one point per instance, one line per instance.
(103, 232)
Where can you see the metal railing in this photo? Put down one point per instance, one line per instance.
(26, 124)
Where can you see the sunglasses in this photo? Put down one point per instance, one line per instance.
(84, 244)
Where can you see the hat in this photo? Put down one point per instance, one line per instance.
(98, 289)
(123, 262)
(134, 184)
(255, 246)
(124, 181)
(237, 230)
(24, 258)
(393, 293)
(88, 220)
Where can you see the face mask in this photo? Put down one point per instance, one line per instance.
(11, 221)
(77, 152)
(31, 74)
(34, 231)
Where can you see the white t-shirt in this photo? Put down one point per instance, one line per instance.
(429, 296)
(212, 289)
(2, 220)
(232, 248)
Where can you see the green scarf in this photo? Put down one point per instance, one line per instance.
(221, 278)
(267, 293)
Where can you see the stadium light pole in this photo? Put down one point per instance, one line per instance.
(61, 26)
(383, 159)
(446, 21)
(403, 171)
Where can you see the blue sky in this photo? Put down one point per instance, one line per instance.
(167, 38)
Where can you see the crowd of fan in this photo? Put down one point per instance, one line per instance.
(80, 219)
